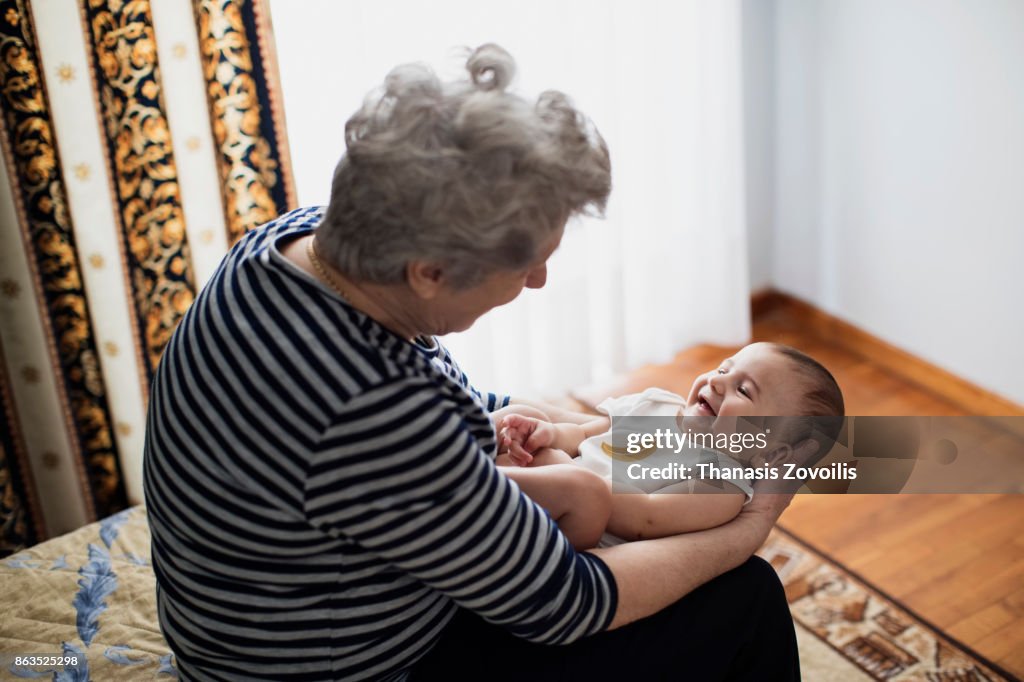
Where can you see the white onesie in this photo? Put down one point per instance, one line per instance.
(654, 402)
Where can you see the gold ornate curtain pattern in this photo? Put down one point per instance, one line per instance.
(20, 516)
(127, 78)
(147, 104)
(236, 50)
(31, 154)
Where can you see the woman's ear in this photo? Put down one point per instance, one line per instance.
(424, 278)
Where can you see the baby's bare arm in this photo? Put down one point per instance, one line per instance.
(524, 410)
(671, 511)
(572, 435)
(555, 413)
(567, 436)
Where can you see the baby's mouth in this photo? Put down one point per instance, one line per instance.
(704, 405)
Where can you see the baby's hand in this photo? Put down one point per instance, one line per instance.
(521, 436)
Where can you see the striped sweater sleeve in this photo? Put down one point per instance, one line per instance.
(490, 401)
(398, 473)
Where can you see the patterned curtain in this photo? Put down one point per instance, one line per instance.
(140, 140)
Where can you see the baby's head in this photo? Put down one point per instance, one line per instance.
(766, 379)
(769, 379)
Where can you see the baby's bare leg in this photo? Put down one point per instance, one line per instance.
(578, 500)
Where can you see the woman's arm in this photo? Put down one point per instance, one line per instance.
(671, 511)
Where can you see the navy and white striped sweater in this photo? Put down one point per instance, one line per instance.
(322, 493)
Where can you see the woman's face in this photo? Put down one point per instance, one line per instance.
(457, 309)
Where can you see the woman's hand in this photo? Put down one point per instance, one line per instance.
(521, 436)
(766, 507)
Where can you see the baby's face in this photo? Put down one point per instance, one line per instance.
(757, 381)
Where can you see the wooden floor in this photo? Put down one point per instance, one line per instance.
(956, 560)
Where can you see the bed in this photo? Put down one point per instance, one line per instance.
(88, 595)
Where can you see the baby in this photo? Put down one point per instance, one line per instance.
(761, 379)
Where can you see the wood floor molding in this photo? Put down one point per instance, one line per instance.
(972, 398)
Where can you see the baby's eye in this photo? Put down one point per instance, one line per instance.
(722, 370)
(743, 391)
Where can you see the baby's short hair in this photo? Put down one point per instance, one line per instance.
(823, 398)
(822, 408)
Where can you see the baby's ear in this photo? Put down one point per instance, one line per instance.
(775, 456)
(804, 450)
(784, 453)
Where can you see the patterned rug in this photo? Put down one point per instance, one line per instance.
(848, 630)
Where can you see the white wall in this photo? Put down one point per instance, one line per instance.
(898, 154)
(759, 135)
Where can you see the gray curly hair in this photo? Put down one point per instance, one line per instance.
(463, 174)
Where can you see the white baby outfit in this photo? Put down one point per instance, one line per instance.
(654, 402)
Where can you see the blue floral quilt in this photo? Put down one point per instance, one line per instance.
(83, 607)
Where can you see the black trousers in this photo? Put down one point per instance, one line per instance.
(736, 627)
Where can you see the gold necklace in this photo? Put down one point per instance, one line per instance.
(322, 271)
(319, 267)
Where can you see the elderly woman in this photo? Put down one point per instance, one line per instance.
(320, 475)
